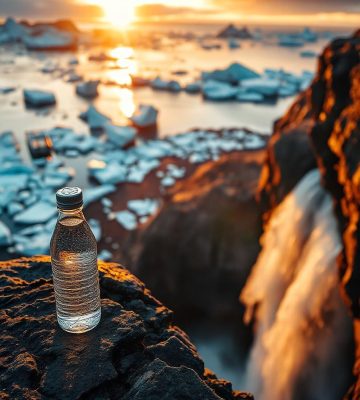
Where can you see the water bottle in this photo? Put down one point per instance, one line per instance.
(74, 265)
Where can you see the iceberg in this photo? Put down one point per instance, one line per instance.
(308, 54)
(234, 74)
(38, 213)
(96, 193)
(193, 88)
(264, 86)
(290, 40)
(233, 44)
(145, 116)
(143, 207)
(250, 97)
(120, 136)
(160, 84)
(94, 118)
(309, 35)
(88, 89)
(113, 173)
(217, 91)
(50, 40)
(38, 98)
(127, 220)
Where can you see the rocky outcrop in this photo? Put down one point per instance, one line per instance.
(196, 255)
(324, 125)
(135, 353)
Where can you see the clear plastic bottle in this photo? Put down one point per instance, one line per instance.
(74, 265)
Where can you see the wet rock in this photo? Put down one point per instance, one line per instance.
(194, 236)
(135, 352)
(322, 129)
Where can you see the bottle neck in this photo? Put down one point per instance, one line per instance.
(75, 213)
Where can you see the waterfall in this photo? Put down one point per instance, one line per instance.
(303, 333)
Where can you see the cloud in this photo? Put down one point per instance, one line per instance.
(286, 6)
(54, 9)
(147, 11)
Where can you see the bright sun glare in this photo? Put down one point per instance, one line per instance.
(119, 13)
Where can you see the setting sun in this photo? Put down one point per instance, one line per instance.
(118, 13)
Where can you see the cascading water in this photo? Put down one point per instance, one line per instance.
(303, 332)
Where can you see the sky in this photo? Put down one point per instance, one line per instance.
(333, 12)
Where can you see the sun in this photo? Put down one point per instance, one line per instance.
(120, 13)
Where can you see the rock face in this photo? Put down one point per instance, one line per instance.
(209, 226)
(135, 352)
(322, 129)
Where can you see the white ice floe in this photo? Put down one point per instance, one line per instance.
(234, 74)
(88, 89)
(217, 91)
(233, 43)
(113, 173)
(52, 39)
(250, 97)
(265, 86)
(290, 40)
(120, 136)
(168, 181)
(38, 213)
(96, 193)
(106, 202)
(39, 98)
(94, 118)
(160, 84)
(7, 89)
(175, 172)
(14, 208)
(145, 116)
(143, 207)
(127, 220)
(193, 88)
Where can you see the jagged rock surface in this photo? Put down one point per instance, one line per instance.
(135, 353)
(324, 127)
(198, 252)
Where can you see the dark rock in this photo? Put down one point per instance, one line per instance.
(193, 256)
(327, 119)
(118, 359)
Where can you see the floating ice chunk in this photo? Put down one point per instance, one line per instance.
(175, 171)
(254, 142)
(138, 172)
(145, 116)
(231, 31)
(72, 153)
(127, 220)
(233, 74)
(250, 97)
(38, 98)
(5, 235)
(38, 213)
(113, 173)
(96, 228)
(233, 43)
(52, 39)
(94, 118)
(96, 193)
(168, 181)
(287, 90)
(143, 207)
(7, 89)
(74, 77)
(291, 40)
(88, 89)
(308, 54)
(217, 91)
(120, 135)
(193, 88)
(309, 35)
(81, 143)
(106, 202)
(105, 255)
(32, 230)
(14, 31)
(33, 245)
(264, 86)
(160, 84)
(56, 179)
(14, 208)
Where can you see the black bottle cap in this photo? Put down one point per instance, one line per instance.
(69, 198)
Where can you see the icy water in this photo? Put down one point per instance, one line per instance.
(177, 113)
